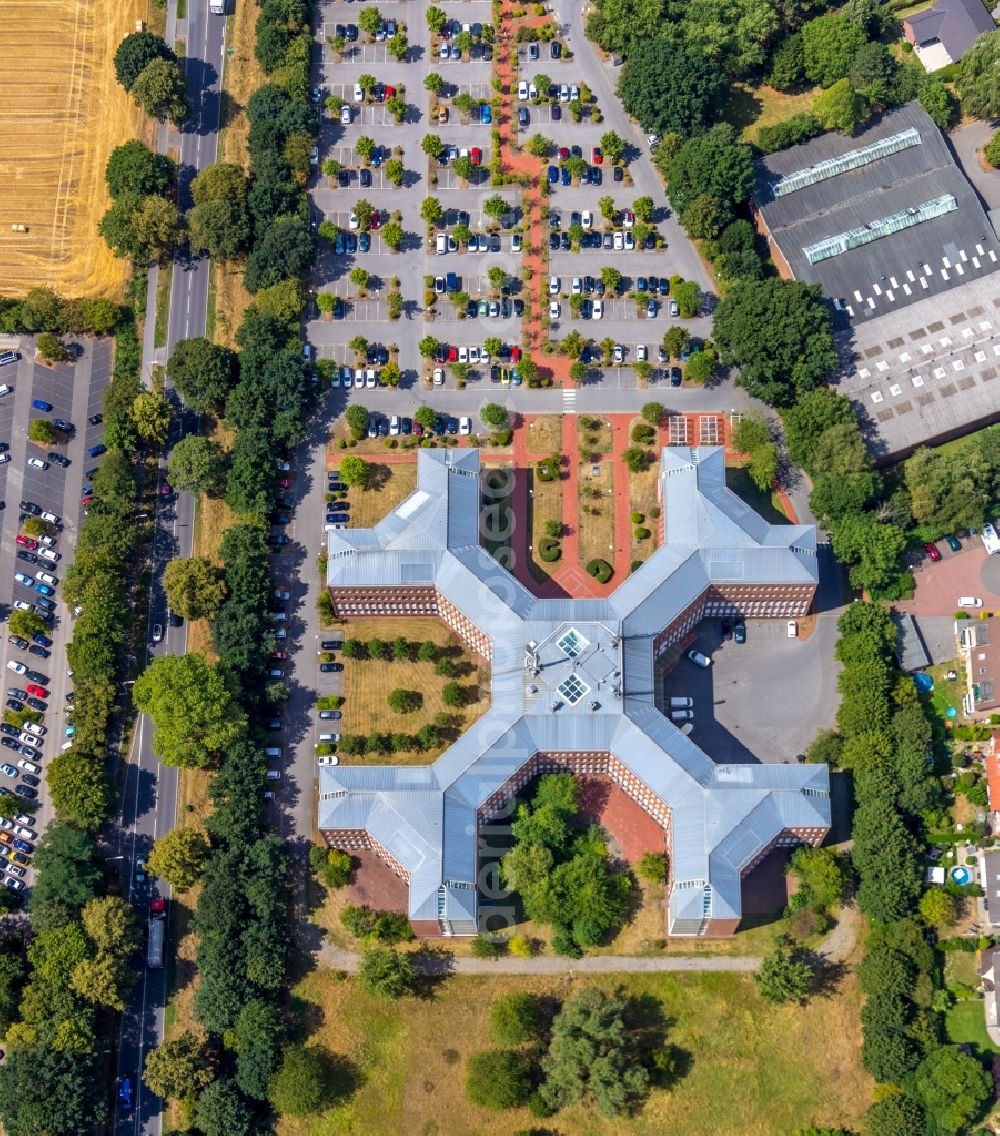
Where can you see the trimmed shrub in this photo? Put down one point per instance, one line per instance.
(601, 570)
(549, 550)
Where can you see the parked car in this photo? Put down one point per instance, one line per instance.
(699, 658)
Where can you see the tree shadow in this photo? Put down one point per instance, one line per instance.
(433, 964)
(742, 106)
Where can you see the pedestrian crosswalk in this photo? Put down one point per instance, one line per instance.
(569, 400)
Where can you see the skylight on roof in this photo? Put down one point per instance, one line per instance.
(573, 689)
(883, 227)
(572, 643)
(809, 175)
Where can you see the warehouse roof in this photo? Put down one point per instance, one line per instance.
(571, 676)
(881, 219)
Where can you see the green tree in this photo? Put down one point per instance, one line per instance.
(385, 973)
(495, 206)
(613, 145)
(370, 20)
(937, 907)
(197, 465)
(223, 1111)
(539, 146)
(194, 587)
(134, 168)
(884, 970)
(670, 87)
(463, 168)
(404, 701)
(675, 340)
(715, 164)
(652, 866)
(788, 65)
(195, 718)
(43, 1089)
(829, 45)
(785, 975)
(841, 107)
(134, 54)
(611, 278)
(436, 18)
(285, 249)
(515, 1019)
(498, 1079)
(355, 472)
(872, 547)
(895, 1115)
(302, 1085)
(978, 82)
(820, 874)
(452, 694)
(592, 1058)
(938, 101)
(431, 145)
(42, 431)
(179, 857)
(952, 1087)
(393, 235)
(493, 414)
(161, 93)
(203, 372)
(152, 415)
(433, 83)
(431, 211)
(178, 1068)
(778, 333)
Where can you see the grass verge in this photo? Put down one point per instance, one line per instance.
(163, 280)
(545, 434)
(597, 513)
(545, 504)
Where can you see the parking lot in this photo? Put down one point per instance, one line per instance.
(75, 394)
(762, 700)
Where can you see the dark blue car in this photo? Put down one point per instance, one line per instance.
(125, 1094)
(553, 174)
(338, 518)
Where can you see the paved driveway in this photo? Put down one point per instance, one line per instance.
(966, 141)
(763, 700)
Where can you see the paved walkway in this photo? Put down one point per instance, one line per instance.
(446, 963)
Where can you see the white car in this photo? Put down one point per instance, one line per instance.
(576, 287)
(371, 379)
(359, 94)
(394, 425)
(522, 90)
(553, 285)
(463, 354)
(641, 354)
(328, 759)
(969, 601)
(564, 93)
(314, 156)
(352, 221)
(618, 354)
(16, 667)
(473, 354)
(438, 376)
(554, 310)
(680, 715)
(47, 578)
(628, 219)
(618, 240)
(515, 242)
(345, 115)
(4, 457)
(49, 555)
(29, 740)
(699, 658)
(465, 425)
(598, 312)
(37, 463)
(674, 309)
(793, 629)
(51, 518)
(29, 766)
(532, 91)
(359, 378)
(587, 219)
(25, 833)
(5, 389)
(36, 729)
(629, 242)
(484, 356)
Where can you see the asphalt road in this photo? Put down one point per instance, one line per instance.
(149, 795)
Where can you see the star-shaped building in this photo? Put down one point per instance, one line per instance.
(572, 690)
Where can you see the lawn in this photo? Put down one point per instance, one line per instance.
(748, 1067)
(545, 434)
(643, 498)
(367, 684)
(965, 1022)
(597, 529)
(750, 108)
(960, 966)
(768, 504)
(389, 485)
(594, 436)
(546, 504)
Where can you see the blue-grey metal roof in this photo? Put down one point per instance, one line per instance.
(572, 676)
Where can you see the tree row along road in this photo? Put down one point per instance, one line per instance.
(445, 963)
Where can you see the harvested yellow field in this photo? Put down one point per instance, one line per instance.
(61, 114)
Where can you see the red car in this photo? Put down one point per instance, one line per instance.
(597, 155)
(279, 654)
(26, 541)
(417, 429)
(86, 500)
(376, 219)
(515, 354)
(563, 152)
(37, 691)
(285, 483)
(389, 91)
(476, 156)
(452, 354)
(166, 489)
(932, 550)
